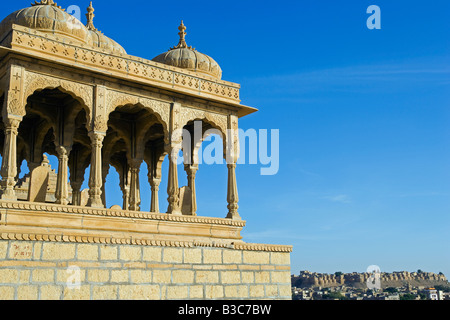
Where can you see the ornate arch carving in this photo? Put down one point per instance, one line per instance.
(35, 82)
(218, 122)
(160, 109)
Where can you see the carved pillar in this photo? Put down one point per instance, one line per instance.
(13, 112)
(105, 171)
(76, 193)
(175, 146)
(126, 197)
(124, 175)
(232, 155)
(154, 157)
(172, 187)
(96, 178)
(191, 171)
(62, 186)
(135, 196)
(232, 194)
(9, 160)
(154, 184)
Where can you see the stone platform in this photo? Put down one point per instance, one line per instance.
(63, 252)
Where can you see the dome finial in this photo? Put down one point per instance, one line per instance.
(182, 34)
(45, 2)
(90, 18)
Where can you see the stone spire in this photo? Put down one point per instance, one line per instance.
(90, 18)
(182, 43)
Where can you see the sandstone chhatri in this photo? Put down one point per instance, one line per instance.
(68, 90)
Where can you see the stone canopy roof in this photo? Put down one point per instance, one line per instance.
(184, 56)
(48, 17)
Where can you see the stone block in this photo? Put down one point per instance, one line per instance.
(130, 253)
(70, 275)
(9, 276)
(195, 292)
(3, 249)
(248, 276)
(256, 257)
(204, 276)
(58, 251)
(173, 255)
(280, 258)
(214, 292)
(24, 276)
(27, 293)
(37, 251)
(50, 292)
(120, 276)
(162, 276)
(285, 291)
(177, 292)
(192, 255)
(104, 292)
(98, 275)
(182, 276)
(271, 290)
(228, 277)
(280, 277)
(240, 291)
(140, 276)
(108, 252)
(257, 291)
(139, 292)
(232, 256)
(213, 256)
(37, 190)
(6, 293)
(81, 293)
(43, 275)
(262, 277)
(152, 254)
(87, 252)
(20, 250)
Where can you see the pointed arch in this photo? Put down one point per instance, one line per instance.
(80, 92)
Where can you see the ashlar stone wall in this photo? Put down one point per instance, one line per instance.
(38, 270)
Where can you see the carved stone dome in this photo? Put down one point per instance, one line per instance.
(97, 39)
(46, 16)
(188, 58)
(100, 41)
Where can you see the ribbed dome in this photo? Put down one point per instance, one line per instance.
(99, 40)
(188, 58)
(96, 38)
(46, 16)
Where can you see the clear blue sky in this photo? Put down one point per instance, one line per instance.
(364, 120)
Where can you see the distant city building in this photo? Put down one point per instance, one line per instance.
(308, 279)
(432, 294)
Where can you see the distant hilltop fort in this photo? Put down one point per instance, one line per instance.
(355, 279)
